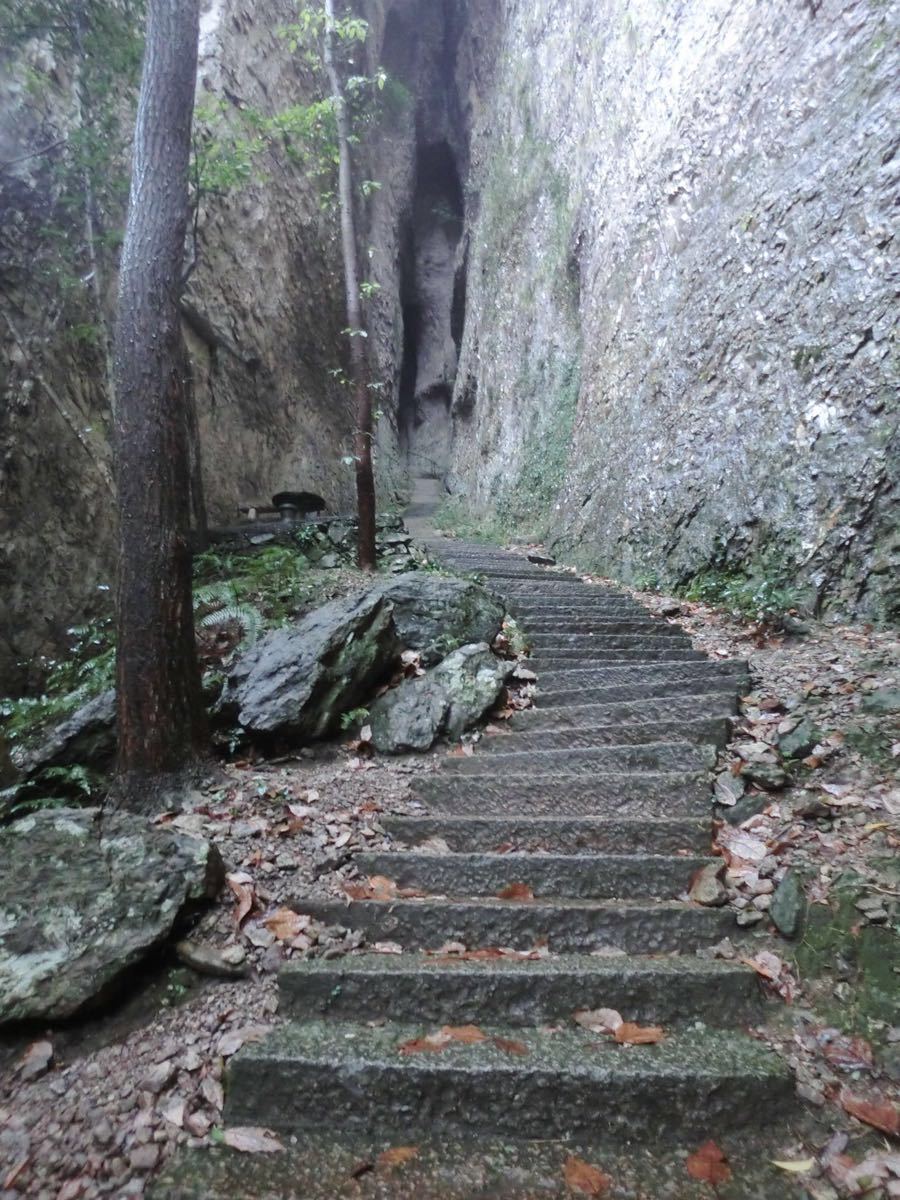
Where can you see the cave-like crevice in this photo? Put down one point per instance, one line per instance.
(432, 300)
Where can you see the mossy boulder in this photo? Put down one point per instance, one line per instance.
(449, 699)
(294, 684)
(434, 614)
(86, 896)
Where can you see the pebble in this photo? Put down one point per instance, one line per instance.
(144, 1158)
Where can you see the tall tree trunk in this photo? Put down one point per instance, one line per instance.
(161, 730)
(362, 449)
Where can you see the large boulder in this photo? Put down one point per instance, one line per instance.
(448, 699)
(85, 898)
(87, 737)
(295, 683)
(435, 614)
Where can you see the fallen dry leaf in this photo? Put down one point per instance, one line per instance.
(252, 1141)
(396, 1156)
(469, 1035)
(796, 1168)
(708, 1164)
(286, 924)
(879, 1113)
(431, 1043)
(508, 1046)
(845, 1053)
(629, 1034)
(599, 1020)
(243, 892)
(585, 1178)
(516, 891)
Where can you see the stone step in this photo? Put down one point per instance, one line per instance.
(715, 730)
(569, 876)
(587, 674)
(515, 575)
(518, 992)
(599, 629)
(579, 695)
(654, 756)
(543, 659)
(562, 835)
(599, 794)
(569, 1083)
(648, 710)
(581, 601)
(565, 926)
(326, 1164)
(569, 586)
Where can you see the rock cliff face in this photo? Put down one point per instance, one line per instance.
(636, 268)
(680, 344)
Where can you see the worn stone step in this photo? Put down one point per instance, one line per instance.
(565, 926)
(516, 575)
(568, 1083)
(577, 629)
(517, 992)
(588, 674)
(601, 793)
(654, 756)
(589, 656)
(652, 636)
(578, 694)
(570, 876)
(647, 710)
(562, 585)
(715, 730)
(577, 601)
(326, 1164)
(563, 835)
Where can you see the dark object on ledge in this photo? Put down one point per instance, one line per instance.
(292, 504)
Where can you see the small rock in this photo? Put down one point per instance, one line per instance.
(144, 1158)
(766, 775)
(671, 608)
(207, 960)
(811, 1093)
(795, 627)
(762, 903)
(788, 909)
(800, 741)
(707, 888)
(749, 917)
(158, 1078)
(729, 788)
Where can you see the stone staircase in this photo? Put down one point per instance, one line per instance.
(598, 799)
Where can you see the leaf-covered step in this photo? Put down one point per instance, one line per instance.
(576, 627)
(590, 876)
(612, 733)
(654, 756)
(545, 658)
(565, 926)
(612, 793)
(562, 835)
(593, 675)
(629, 712)
(527, 1083)
(575, 693)
(517, 991)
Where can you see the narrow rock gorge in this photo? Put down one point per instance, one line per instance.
(634, 290)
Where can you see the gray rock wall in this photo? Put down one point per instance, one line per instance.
(680, 346)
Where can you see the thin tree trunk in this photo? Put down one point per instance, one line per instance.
(161, 729)
(362, 449)
(84, 118)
